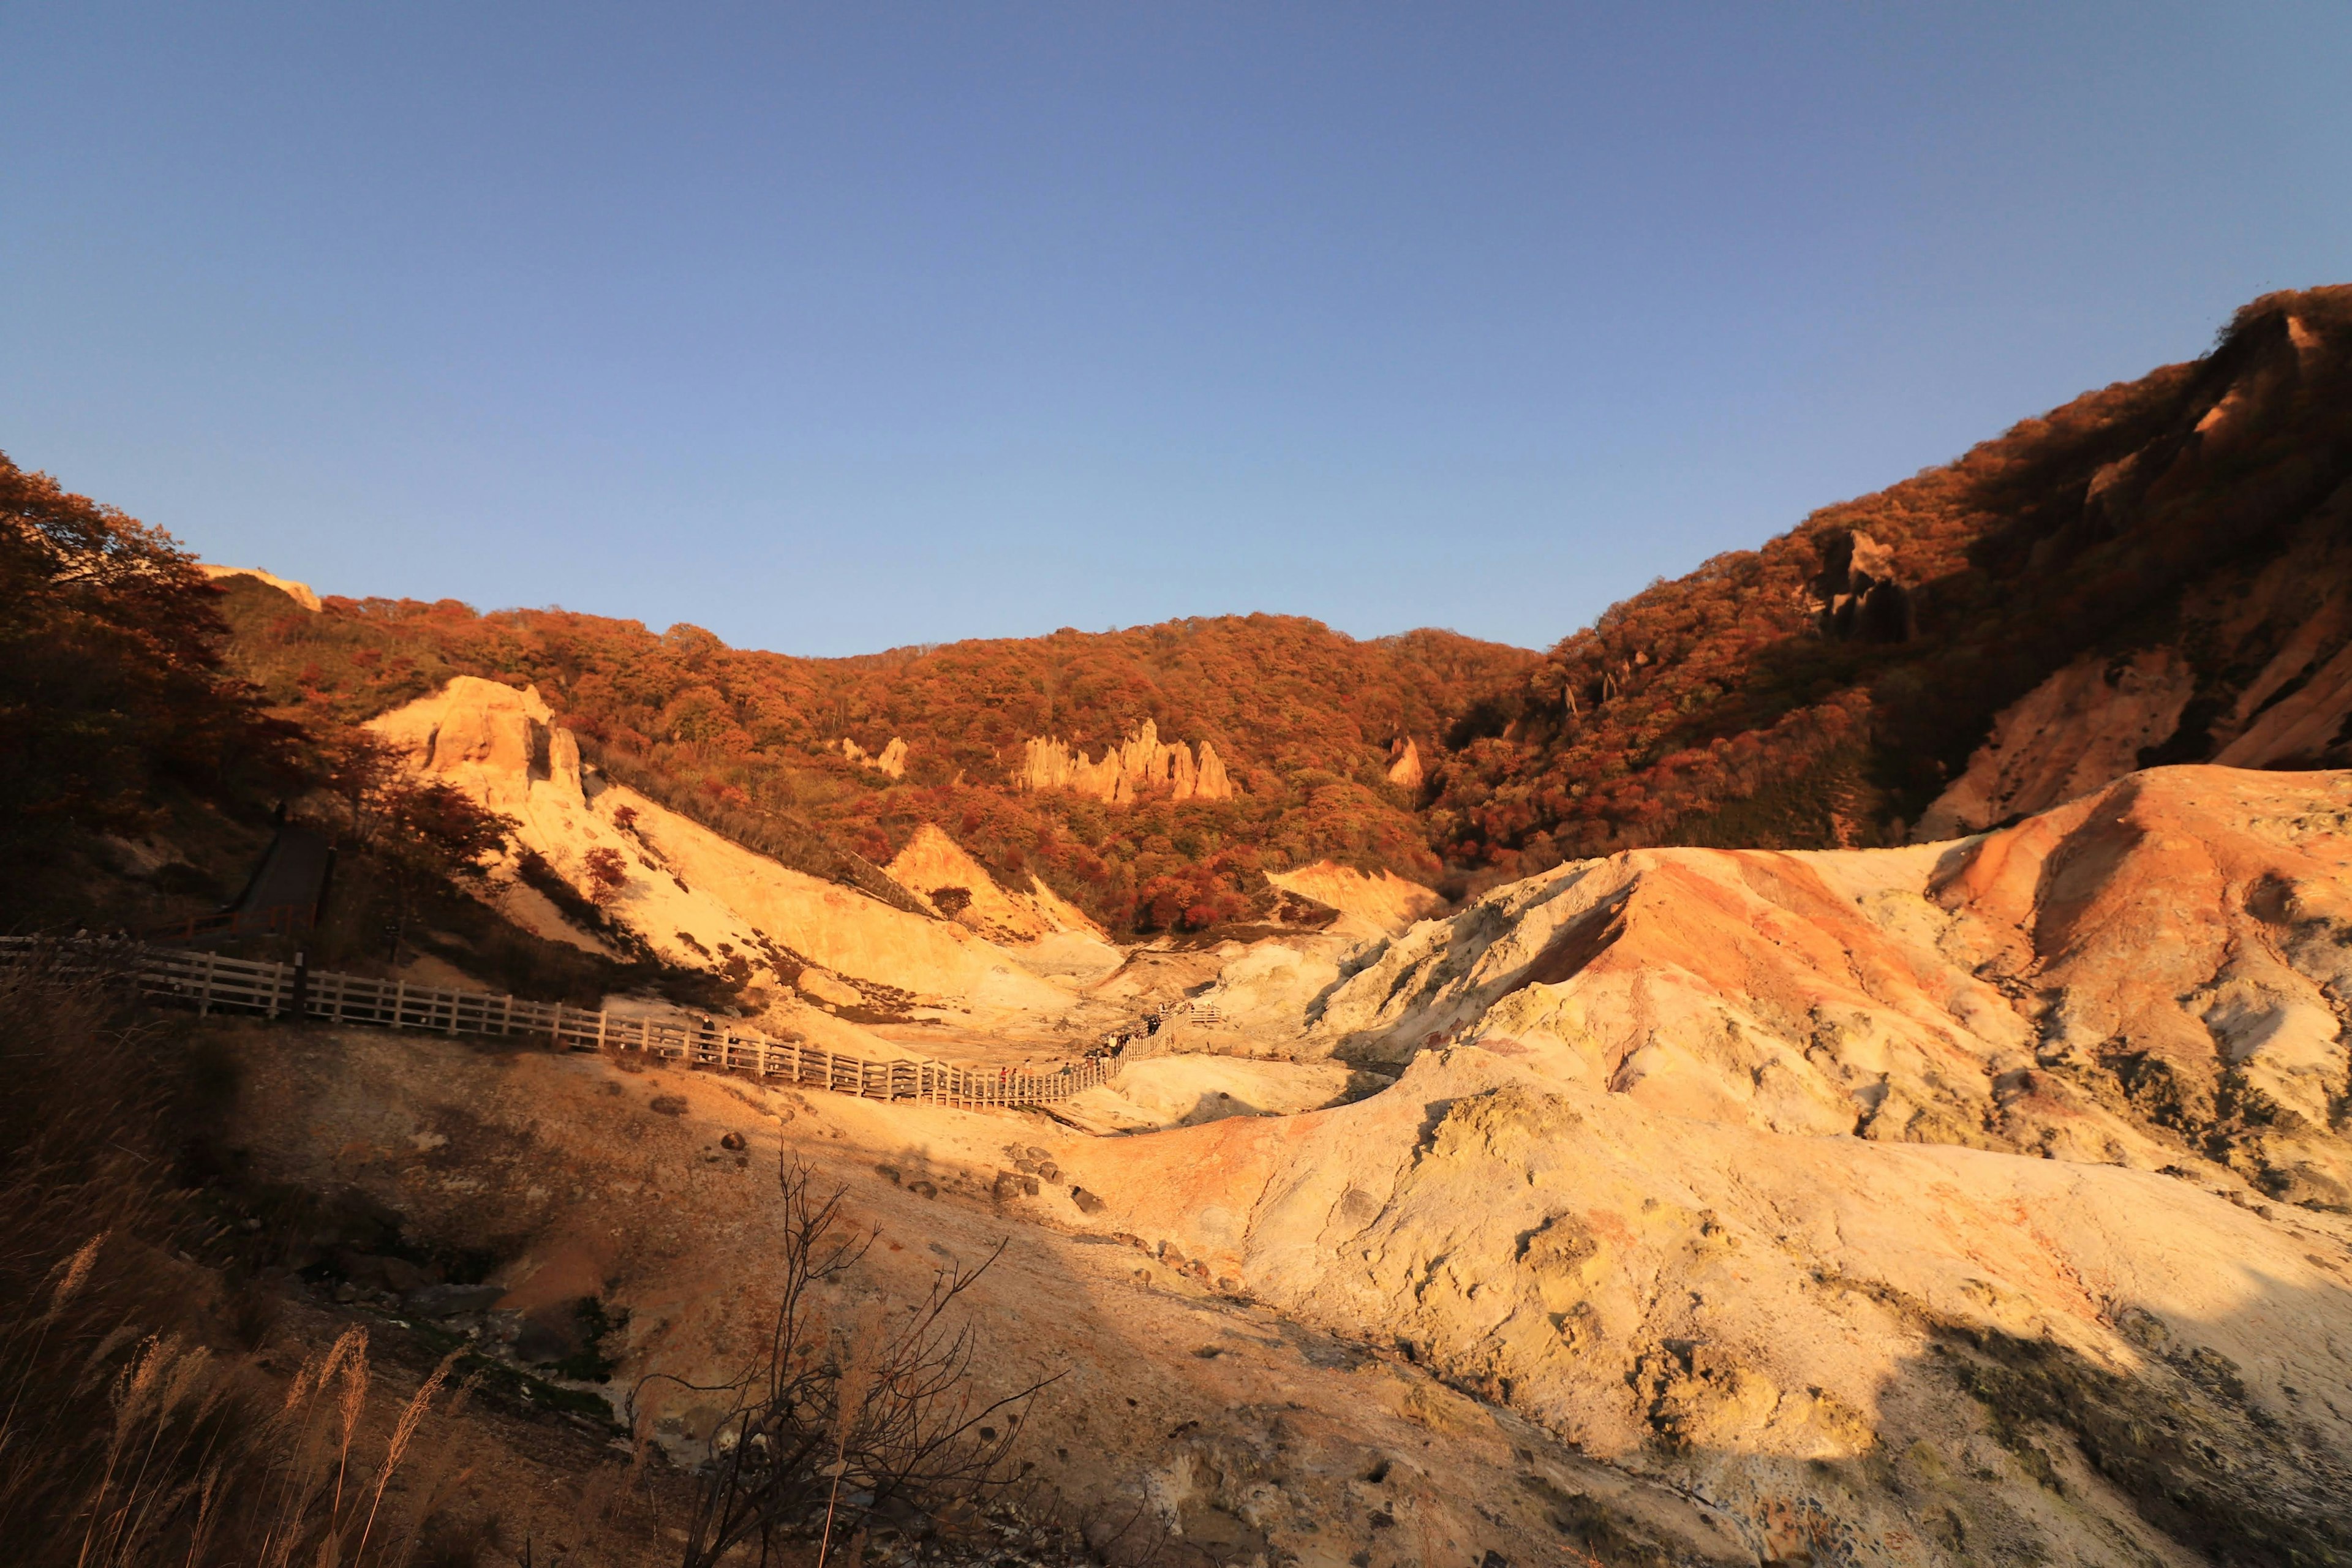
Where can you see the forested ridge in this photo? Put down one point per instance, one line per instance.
(1819, 690)
(1822, 690)
(1307, 719)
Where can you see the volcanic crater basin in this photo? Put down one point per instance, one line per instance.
(1483, 1310)
(1724, 1207)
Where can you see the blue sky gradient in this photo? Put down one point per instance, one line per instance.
(832, 330)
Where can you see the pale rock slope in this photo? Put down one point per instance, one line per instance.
(1265, 992)
(1184, 1090)
(935, 868)
(1387, 902)
(2084, 727)
(1050, 935)
(1835, 1351)
(300, 592)
(695, 897)
(2156, 974)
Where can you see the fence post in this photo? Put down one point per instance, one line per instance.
(399, 1001)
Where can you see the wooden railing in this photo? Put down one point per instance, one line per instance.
(208, 982)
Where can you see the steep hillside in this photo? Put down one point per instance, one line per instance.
(1271, 739)
(2155, 573)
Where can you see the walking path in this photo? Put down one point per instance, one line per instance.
(208, 982)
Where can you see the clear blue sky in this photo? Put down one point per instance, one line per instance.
(832, 329)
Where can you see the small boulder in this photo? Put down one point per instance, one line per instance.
(548, 1333)
(450, 1300)
(818, 986)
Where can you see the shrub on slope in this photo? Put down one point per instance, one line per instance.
(112, 681)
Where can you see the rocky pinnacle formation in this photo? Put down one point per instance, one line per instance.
(1141, 761)
(892, 760)
(1404, 767)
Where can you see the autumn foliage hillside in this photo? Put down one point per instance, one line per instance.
(1820, 690)
(1307, 719)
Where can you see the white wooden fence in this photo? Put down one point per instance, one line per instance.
(209, 981)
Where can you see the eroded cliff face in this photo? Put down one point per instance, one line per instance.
(2083, 727)
(300, 592)
(696, 897)
(2256, 673)
(1405, 770)
(1142, 762)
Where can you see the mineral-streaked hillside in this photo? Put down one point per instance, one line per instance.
(2155, 974)
(1608, 1268)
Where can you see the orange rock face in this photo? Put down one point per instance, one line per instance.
(1142, 762)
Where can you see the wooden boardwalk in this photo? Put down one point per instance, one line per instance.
(209, 982)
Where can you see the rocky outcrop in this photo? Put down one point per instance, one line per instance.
(1404, 767)
(1387, 902)
(300, 592)
(696, 897)
(2257, 674)
(892, 760)
(2083, 727)
(2297, 709)
(1142, 762)
(1860, 596)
